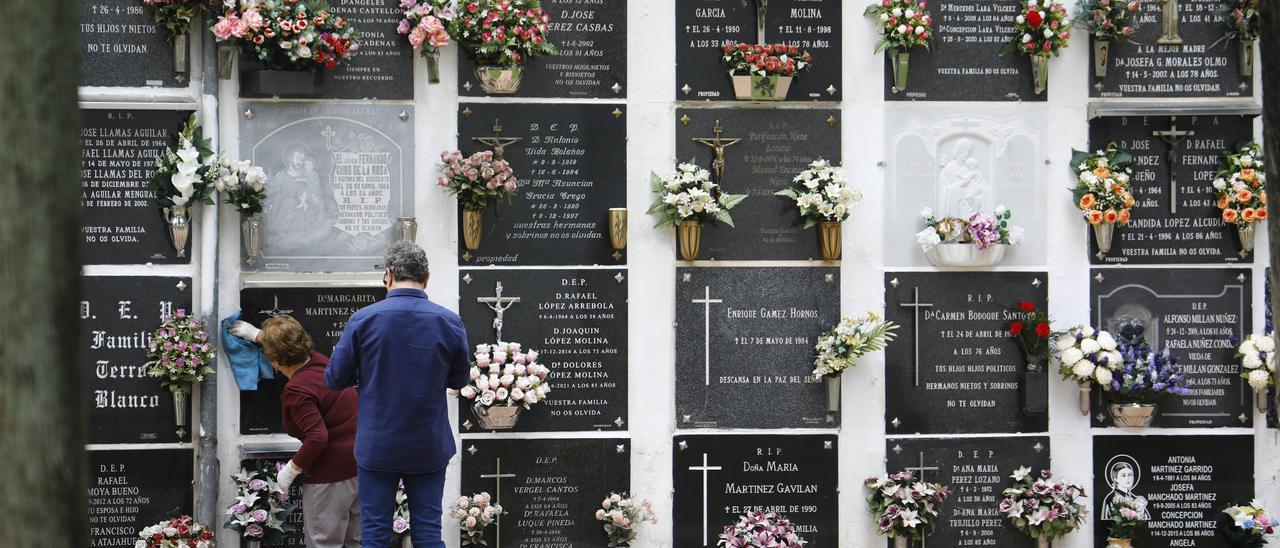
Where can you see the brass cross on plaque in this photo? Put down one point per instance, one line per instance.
(717, 145)
(916, 305)
(1173, 137)
(1169, 23)
(498, 142)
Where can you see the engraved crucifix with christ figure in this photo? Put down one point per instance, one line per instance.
(762, 11)
(1174, 137)
(718, 145)
(1169, 23)
(499, 305)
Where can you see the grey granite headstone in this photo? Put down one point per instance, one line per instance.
(338, 177)
(121, 46)
(134, 488)
(745, 341)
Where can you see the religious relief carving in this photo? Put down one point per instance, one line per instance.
(497, 142)
(1169, 23)
(718, 145)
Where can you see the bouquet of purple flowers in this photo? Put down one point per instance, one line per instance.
(1146, 376)
(261, 509)
(760, 529)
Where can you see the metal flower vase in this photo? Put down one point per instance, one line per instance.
(433, 67)
(1103, 233)
(178, 220)
(248, 543)
(689, 234)
(901, 542)
(180, 408)
(1100, 50)
(1262, 398)
(406, 229)
(829, 236)
(1246, 231)
(497, 417)
(181, 53)
(1119, 543)
(407, 543)
(472, 223)
(1246, 59)
(251, 229)
(618, 228)
(832, 383)
(1132, 415)
(1084, 398)
(500, 80)
(1040, 72)
(1043, 542)
(900, 62)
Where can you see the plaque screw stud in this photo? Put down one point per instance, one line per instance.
(687, 418)
(831, 89)
(687, 277)
(1048, 162)
(404, 115)
(880, 163)
(473, 450)
(1100, 417)
(467, 424)
(248, 114)
(683, 445)
(1098, 86)
(895, 283)
(826, 444)
(466, 256)
(1036, 282)
(466, 111)
(895, 422)
(897, 449)
(467, 86)
(617, 88)
(182, 285)
(1243, 418)
(1241, 278)
(467, 279)
(831, 121)
(1038, 447)
(1100, 277)
(619, 422)
(686, 89)
(617, 113)
(684, 119)
(621, 449)
(619, 277)
(830, 278)
(617, 255)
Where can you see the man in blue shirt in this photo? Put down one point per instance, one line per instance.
(401, 354)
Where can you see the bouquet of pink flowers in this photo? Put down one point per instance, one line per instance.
(904, 506)
(758, 529)
(426, 23)
(261, 510)
(1043, 507)
(180, 531)
(179, 353)
(289, 35)
(477, 181)
(622, 517)
(474, 515)
(503, 375)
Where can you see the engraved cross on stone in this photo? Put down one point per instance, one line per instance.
(705, 468)
(497, 141)
(275, 311)
(922, 469)
(916, 305)
(1174, 137)
(717, 145)
(328, 135)
(497, 476)
(499, 305)
(1169, 23)
(707, 301)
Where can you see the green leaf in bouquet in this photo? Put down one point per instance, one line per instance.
(789, 193)
(723, 216)
(728, 201)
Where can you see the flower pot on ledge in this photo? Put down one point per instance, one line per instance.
(1119, 543)
(290, 84)
(498, 417)
(965, 255)
(496, 80)
(761, 88)
(1132, 415)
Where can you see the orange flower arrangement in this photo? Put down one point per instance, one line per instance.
(1102, 180)
(1241, 185)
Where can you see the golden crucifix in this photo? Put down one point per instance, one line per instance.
(498, 142)
(717, 145)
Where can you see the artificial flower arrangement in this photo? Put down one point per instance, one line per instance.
(1107, 21)
(182, 531)
(1143, 380)
(180, 355)
(903, 25)
(1088, 357)
(185, 176)
(474, 514)
(763, 72)
(622, 517)
(244, 187)
(1102, 191)
(1040, 32)
(426, 24)
(500, 36)
(291, 39)
(687, 198)
(1258, 365)
(505, 381)
(262, 508)
(400, 522)
(1241, 187)
(176, 17)
(979, 241)
(1128, 519)
(904, 507)
(1030, 328)
(760, 529)
(825, 200)
(1244, 22)
(1042, 507)
(477, 181)
(1248, 525)
(853, 337)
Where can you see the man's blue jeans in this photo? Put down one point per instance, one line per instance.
(378, 504)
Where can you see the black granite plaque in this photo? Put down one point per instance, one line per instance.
(977, 470)
(122, 221)
(703, 26)
(577, 322)
(322, 311)
(118, 316)
(383, 67)
(965, 61)
(744, 345)
(1176, 218)
(297, 537)
(132, 489)
(550, 489)
(720, 477)
(954, 367)
(591, 36)
(1185, 481)
(120, 45)
(1206, 64)
(773, 147)
(570, 162)
(1194, 313)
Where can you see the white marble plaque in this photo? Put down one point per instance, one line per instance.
(958, 161)
(338, 177)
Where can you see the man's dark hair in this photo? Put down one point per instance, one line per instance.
(407, 263)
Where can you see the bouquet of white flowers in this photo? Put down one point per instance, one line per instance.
(186, 175)
(851, 338)
(242, 184)
(1258, 361)
(822, 194)
(689, 194)
(503, 375)
(1087, 356)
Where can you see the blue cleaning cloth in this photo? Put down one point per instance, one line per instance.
(247, 362)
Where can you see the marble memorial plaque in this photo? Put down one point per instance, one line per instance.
(122, 221)
(121, 46)
(1176, 217)
(119, 315)
(577, 322)
(591, 36)
(763, 151)
(1184, 482)
(745, 335)
(549, 488)
(954, 368)
(1204, 64)
(338, 177)
(322, 311)
(1193, 313)
(703, 26)
(977, 470)
(960, 162)
(570, 161)
(965, 60)
(136, 488)
(383, 68)
(720, 477)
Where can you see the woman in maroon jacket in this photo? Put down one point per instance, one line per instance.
(325, 421)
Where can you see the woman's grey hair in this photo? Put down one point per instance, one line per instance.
(407, 262)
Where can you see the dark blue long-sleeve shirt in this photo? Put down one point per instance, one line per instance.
(402, 352)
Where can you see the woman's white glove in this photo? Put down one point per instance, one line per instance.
(286, 475)
(245, 330)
